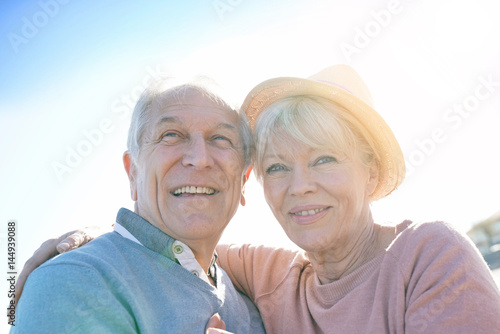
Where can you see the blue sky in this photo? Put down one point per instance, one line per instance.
(80, 65)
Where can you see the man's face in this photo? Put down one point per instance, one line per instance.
(188, 177)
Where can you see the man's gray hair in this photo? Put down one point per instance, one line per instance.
(163, 92)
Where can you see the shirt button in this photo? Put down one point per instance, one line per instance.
(178, 249)
(195, 273)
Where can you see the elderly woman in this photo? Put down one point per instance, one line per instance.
(323, 154)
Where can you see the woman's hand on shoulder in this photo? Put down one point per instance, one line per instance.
(53, 247)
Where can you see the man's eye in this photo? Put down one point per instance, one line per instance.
(222, 140)
(275, 168)
(325, 159)
(170, 137)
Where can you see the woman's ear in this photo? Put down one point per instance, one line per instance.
(373, 178)
(131, 170)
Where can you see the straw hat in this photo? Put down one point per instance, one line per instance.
(342, 85)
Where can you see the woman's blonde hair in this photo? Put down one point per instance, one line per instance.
(312, 121)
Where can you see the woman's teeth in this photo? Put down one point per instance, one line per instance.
(308, 212)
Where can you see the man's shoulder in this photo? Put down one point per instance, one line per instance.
(108, 258)
(106, 250)
(85, 283)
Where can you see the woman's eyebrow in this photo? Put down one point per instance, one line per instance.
(273, 156)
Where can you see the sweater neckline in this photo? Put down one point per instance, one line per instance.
(334, 291)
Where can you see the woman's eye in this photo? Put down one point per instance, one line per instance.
(325, 159)
(275, 168)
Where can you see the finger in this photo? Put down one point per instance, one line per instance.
(217, 331)
(77, 238)
(73, 241)
(215, 321)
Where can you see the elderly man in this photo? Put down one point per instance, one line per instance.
(156, 273)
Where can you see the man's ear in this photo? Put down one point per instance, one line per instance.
(131, 170)
(245, 179)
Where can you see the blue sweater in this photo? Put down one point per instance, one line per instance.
(114, 285)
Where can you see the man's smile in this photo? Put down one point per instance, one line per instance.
(194, 190)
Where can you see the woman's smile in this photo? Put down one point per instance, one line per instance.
(305, 215)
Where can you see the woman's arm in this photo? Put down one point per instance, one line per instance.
(51, 248)
(257, 270)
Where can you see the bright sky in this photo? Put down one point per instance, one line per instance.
(71, 71)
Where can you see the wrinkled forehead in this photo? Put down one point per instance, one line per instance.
(186, 98)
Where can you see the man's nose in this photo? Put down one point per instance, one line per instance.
(198, 154)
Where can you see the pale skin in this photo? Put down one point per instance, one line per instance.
(193, 144)
(321, 199)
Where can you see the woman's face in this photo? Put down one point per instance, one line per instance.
(320, 197)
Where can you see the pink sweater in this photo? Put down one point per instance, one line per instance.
(431, 279)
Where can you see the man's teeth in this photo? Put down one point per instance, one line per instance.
(194, 190)
(308, 212)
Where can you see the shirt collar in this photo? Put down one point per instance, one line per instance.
(134, 227)
(185, 257)
(148, 235)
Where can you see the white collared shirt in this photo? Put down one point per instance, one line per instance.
(186, 258)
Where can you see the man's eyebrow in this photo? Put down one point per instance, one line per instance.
(169, 119)
(228, 126)
(178, 120)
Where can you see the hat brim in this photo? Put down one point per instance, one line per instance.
(378, 134)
